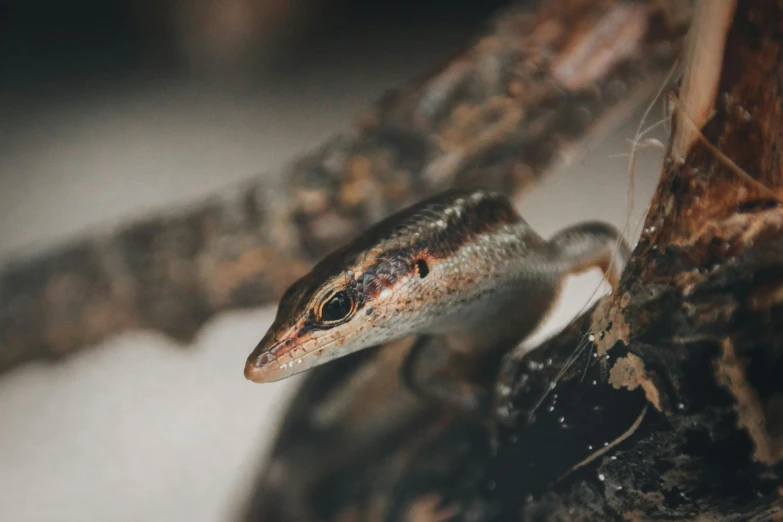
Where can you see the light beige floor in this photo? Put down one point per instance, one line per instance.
(139, 429)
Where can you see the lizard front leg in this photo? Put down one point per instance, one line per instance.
(436, 372)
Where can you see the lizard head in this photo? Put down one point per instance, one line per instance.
(376, 289)
(332, 312)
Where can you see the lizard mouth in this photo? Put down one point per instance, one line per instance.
(284, 358)
(273, 359)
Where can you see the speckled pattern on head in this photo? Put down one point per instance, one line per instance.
(462, 262)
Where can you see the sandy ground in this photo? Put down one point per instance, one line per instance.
(138, 428)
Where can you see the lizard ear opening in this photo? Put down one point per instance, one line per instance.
(422, 268)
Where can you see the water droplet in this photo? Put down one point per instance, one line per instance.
(591, 338)
(601, 477)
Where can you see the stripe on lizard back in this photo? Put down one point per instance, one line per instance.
(432, 228)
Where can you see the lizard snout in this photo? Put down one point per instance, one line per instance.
(263, 365)
(257, 367)
(271, 361)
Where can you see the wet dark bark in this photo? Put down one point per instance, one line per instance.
(663, 402)
(543, 76)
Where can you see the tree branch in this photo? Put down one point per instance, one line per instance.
(499, 114)
(661, 403)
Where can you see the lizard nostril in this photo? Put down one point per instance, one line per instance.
(422, 268)
(263, 360)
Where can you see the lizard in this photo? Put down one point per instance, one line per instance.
(462, 270)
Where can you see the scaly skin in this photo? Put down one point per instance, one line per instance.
(462, 267)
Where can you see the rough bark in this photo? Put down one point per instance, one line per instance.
(544, 75)
(663, 402)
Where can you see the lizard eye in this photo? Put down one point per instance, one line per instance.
(336, 307)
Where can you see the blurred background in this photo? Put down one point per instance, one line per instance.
(112, 110)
